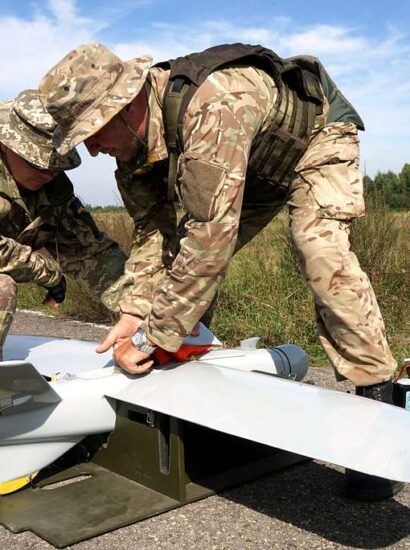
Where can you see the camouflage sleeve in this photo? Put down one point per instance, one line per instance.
(85, 252)
(219, 126)
(154, 239)
(25, 265)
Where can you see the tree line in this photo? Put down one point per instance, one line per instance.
(395, 188)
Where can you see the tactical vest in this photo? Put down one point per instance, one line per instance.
(276, 151)
(340, 109)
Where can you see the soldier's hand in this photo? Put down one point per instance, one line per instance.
(131, 359)
(56, 294)
(123, 329)
(50, 302)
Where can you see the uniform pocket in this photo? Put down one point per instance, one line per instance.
(200, 183)
(330, 167)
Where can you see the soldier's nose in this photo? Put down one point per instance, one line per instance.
(49, 175)
(92, 146)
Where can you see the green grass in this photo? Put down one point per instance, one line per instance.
(79, 303)
(263, 293)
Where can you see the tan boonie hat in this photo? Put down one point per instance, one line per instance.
(27, 129)
(87, 88)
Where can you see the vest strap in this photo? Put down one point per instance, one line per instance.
(276, 151)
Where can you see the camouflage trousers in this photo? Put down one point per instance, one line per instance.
(8, 297)
(325, 197)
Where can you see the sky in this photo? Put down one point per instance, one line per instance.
(365, 47)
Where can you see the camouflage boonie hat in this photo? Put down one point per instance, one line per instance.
(27, 129)
(87, 88)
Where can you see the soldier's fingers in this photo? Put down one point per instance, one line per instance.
(106, 344)
(50, 302)
(52, 305)
(132, 368)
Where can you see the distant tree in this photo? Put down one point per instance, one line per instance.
(405, 183)
(405, 177)
(389, 182)
(389, 188)
(367, 182)
(369, 188)
(108, 208)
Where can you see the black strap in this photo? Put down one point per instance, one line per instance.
(177, 97)
(299, 100)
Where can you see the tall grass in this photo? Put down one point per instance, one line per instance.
(80, 303)
(263, 293)
(381, 241)
(118, 225)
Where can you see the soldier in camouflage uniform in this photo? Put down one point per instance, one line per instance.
(44, 229)
(117, 108)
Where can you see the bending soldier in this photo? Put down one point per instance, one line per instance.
(44, 229)
(236, 132)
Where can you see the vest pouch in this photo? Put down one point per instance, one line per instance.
(276, 152)
(341, 110)
(304, 82)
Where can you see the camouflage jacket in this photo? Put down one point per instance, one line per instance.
(45, 232)
(225, 115)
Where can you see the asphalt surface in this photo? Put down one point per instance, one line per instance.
(301, 507)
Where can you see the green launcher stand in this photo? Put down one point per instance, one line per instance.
(150, 464)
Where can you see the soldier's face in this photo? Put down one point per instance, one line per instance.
(123, 135)
(114, 139)
(28, 176)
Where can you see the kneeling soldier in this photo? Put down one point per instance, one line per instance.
(44, 229)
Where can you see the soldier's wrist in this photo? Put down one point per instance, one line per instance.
(140, 342)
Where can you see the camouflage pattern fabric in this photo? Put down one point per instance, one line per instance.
(154, 241)
(212, 174)
(8, 298)
(225, 210)
(87, 88)
(44, 233)
(327, 194)
(225, 217)
(19, 258)
(27, 129)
